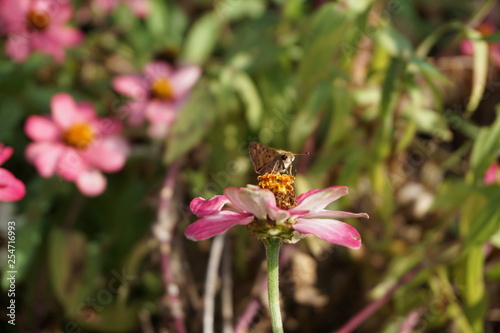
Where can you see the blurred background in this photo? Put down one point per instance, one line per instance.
(398, 100)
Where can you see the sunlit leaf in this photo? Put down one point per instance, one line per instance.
(201, 39)
(480, 70)
(486, 147)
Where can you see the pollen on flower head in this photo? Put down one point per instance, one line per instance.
(282, 188)
(79, 135)
(162, 88)
(38, 20)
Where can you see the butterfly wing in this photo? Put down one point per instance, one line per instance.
(264, 158)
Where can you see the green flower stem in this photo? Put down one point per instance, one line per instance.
(273, 253)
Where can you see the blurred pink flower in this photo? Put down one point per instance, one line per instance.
(485, 29)
(157, 95)
(492, 175)
(11, 188)
(140, 8)
(75, 144)
(37, 25)
(241, 206)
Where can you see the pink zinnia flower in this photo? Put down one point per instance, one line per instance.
(157, 95)
(139, 7)
(76, 145)
(485, 29)
(11, 188)
(241, 206)
(37, 25)
(492, 175)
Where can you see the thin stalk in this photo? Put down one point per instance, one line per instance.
(211, 283)
(273, 253)
(164, 229)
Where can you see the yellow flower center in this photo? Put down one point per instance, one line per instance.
(282, 188)
(38, 20)
(162, 89)
(79, 135)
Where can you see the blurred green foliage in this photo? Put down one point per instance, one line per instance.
(366, 87)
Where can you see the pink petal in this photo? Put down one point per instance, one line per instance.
(490, 177)
(278, 215)
(106, 5)
(107, 126)
(161, 112)
(201, 207)
(91, 183)
(301, 197)
(157, 69)
(216, 224)
(64, 36)
(17, 48)
(466, 47)
(10, 13)
(132, 86)
(45, 156)
(184, 79)
(40, 128)
(59, 11)
(86, 111)
(316, 200)
(5, 153)
(158, 130)
(251, 200)
(332, 231)
(44, 43)
(66, 112)
(108, 154)
(11, 188)
(36, 148)
(70, 164)
(139, 7)
(334, 214)
(134, 111)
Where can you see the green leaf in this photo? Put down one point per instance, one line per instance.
(237, 9)
(395, 43)
(66, 253)
(201, 39)
(309, 116)
(327, 29)
(430, 122)
(424, 48)
(485, 222)
(11, 114)
(475, 306)
(28, 242)
(111, 318)
(193, 121)
(385, 130)
(493, 38)
(452, 194)
(495, 239)
(157, 21)
(247, 90)
(486, 147)
(480, 70)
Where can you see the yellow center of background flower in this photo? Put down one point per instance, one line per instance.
(79, 136)
(282, 188)
(162, 89)
(38, 20)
